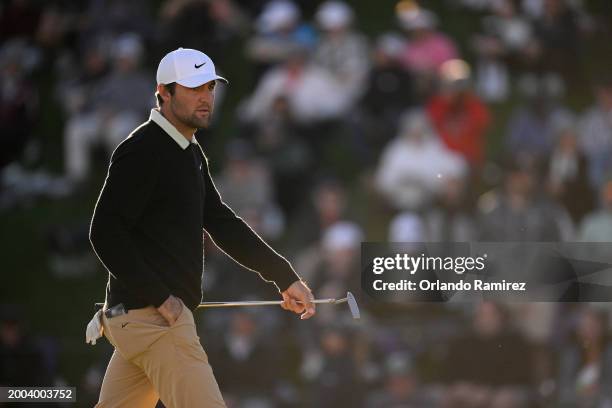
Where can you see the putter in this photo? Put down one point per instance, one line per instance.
(350, 299)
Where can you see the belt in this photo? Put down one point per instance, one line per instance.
(115, 311)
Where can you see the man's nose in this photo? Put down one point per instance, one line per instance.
(205, 96)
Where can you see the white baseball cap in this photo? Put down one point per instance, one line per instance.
(342, 235)
(187, 67)
(334, 14)
(276, 15)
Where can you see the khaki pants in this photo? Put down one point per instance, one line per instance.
(154, 360)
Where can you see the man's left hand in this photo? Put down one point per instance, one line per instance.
(298, 291)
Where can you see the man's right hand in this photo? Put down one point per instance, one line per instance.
(299, 291)
(171, 309)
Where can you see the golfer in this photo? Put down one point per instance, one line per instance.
(147, 229)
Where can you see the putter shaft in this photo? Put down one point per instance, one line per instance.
(263, 303)
(253, 303)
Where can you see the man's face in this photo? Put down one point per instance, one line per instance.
(193, 106)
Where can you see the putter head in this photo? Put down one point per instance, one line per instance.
(353, 305)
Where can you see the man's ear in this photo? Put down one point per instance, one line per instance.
(163, 91)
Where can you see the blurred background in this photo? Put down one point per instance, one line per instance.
(439, 120)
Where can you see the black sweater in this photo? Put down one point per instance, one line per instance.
(147, 227)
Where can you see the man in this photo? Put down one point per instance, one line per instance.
(147, 229)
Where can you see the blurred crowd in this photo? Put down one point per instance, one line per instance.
(329, 136)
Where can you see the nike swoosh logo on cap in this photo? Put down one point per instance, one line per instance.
(198, 66)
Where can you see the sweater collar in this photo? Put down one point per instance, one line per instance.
(169, 128)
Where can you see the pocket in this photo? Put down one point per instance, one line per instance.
(186, 339)
(181, 315)
(133, 333)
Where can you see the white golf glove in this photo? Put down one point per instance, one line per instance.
(94, 329)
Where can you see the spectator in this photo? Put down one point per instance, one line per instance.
(390, 86)
(518, 212)
(390, 90)
(537, 322)
(531, 128)
(558, 35)
(458, 115)
(568, 178)
(336, 272)
(246, 185)
(585, 366)
(450, 218)
(473, 363)
(597, 226)
(312, 93)
(18, 103)
(279, 35)
(330, 266)
(244, 347)
(77, 94)
(506, 45)
(341, 50)
(596, 133)
(401, 387)
(426, 49)
(326, 205)
(407, 227)
(118, 104)
(279, 142)
(337, 383)
(413, 166)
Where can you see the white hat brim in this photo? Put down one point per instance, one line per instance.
(197, 80)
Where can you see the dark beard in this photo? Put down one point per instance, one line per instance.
(199, 124)
(192, 121)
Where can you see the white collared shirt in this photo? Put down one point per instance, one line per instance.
(169, 128)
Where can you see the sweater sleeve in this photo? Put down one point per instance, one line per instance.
(239, 241)
(130, 182)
